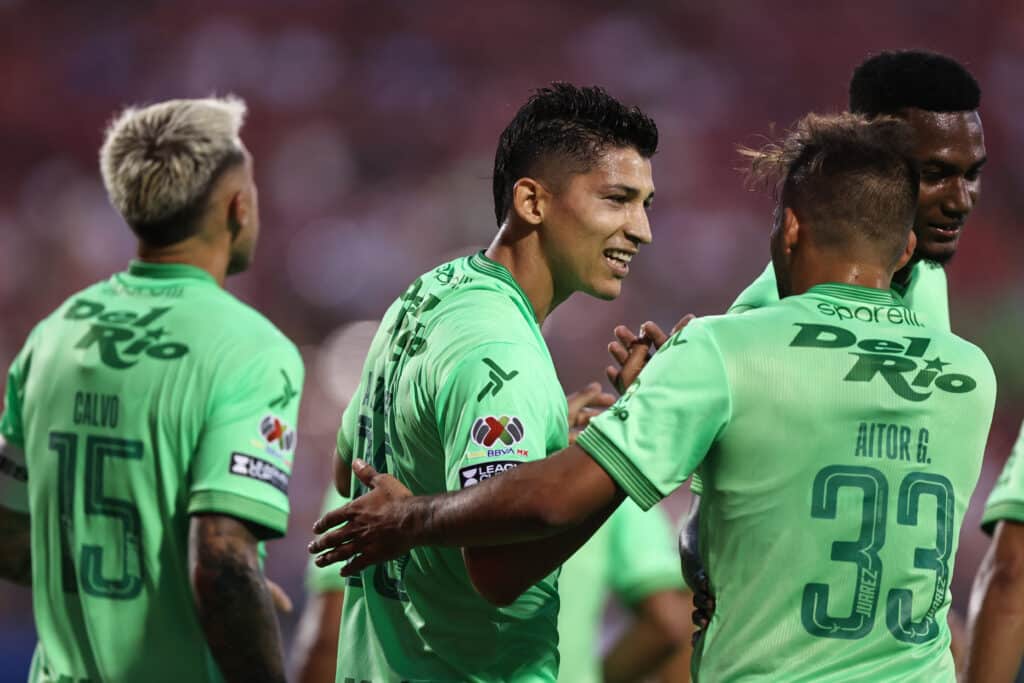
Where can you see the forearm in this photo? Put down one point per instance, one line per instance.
(15, 547)
(996, 614)
(660, 630)
(235, 608)
(536, 500)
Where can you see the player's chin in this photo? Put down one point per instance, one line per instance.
(606, 289)
(936, 251)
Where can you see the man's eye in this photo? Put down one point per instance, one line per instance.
(618, 199)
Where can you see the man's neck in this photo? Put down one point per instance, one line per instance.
(190, 252)
(520, 252)
(858, 274)
(902, 276)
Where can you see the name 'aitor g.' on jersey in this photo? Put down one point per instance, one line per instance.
(838, 455)
(141, 400)
(458, 386)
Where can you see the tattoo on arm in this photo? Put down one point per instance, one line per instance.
(15, 547)
(235, 608)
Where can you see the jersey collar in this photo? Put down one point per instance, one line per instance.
(480, 263)
(868, 295)
(168, 271)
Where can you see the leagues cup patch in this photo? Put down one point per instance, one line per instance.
(497, 436)
(470, 476)
(245, 465)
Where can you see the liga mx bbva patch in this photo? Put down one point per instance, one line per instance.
(276, 438)
(497, 436)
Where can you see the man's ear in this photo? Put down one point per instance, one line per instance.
(529, 199)
(238, 214)
(908, 251)
(791, 230)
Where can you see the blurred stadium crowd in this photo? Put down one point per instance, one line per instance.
(373, 126)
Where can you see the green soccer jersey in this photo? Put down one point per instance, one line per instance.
(1007, 498)
(926, 293)
(326, 579)
(458, 386)
(838, 456)
(141, 400)
(631, 556)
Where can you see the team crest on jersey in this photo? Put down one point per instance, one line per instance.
(498, 437)
(899, 363)
(470, 476)
(276, 438)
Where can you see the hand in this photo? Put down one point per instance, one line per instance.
(374, 525)
(585, 404)
(282, 603)
(704, 605)
(632, 351)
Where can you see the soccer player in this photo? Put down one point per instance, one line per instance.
(939, 98)
(838, 451)
(995, 617)
(149, 428)
(458, 387)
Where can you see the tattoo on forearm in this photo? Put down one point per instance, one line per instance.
(235, 607)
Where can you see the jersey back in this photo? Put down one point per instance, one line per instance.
(139, 401)
(838, 454)
(458, 386)
(926, 293)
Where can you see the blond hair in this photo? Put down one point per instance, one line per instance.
(160, 162)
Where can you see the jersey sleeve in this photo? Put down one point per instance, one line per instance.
(643, 554)
(326, 579)
(13, 467)
(661, 429)
(493, 415)
(244, 459)
(1007, 498)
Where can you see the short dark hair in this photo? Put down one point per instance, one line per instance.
(890, 81)
(566, 121)
(849, 177)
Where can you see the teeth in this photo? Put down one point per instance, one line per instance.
(619, 255)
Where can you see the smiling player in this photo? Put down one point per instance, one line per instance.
(458, 386)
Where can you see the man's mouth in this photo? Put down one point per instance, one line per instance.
(946, 231)
(618, 260)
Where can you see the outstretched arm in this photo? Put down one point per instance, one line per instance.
(235, 607)
(535, 500)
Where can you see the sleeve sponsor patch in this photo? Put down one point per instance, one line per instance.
(468, 476)
(244, 465)
(496, 437)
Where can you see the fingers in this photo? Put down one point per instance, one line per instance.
(638, 356)
(625, 335)
(578, 400)
(364, 471)
(618, 352)
(332, 519)
(652, 334)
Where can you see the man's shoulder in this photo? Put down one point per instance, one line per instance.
(763, 291)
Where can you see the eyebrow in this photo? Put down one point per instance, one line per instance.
(947, 167)
(628, 190)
